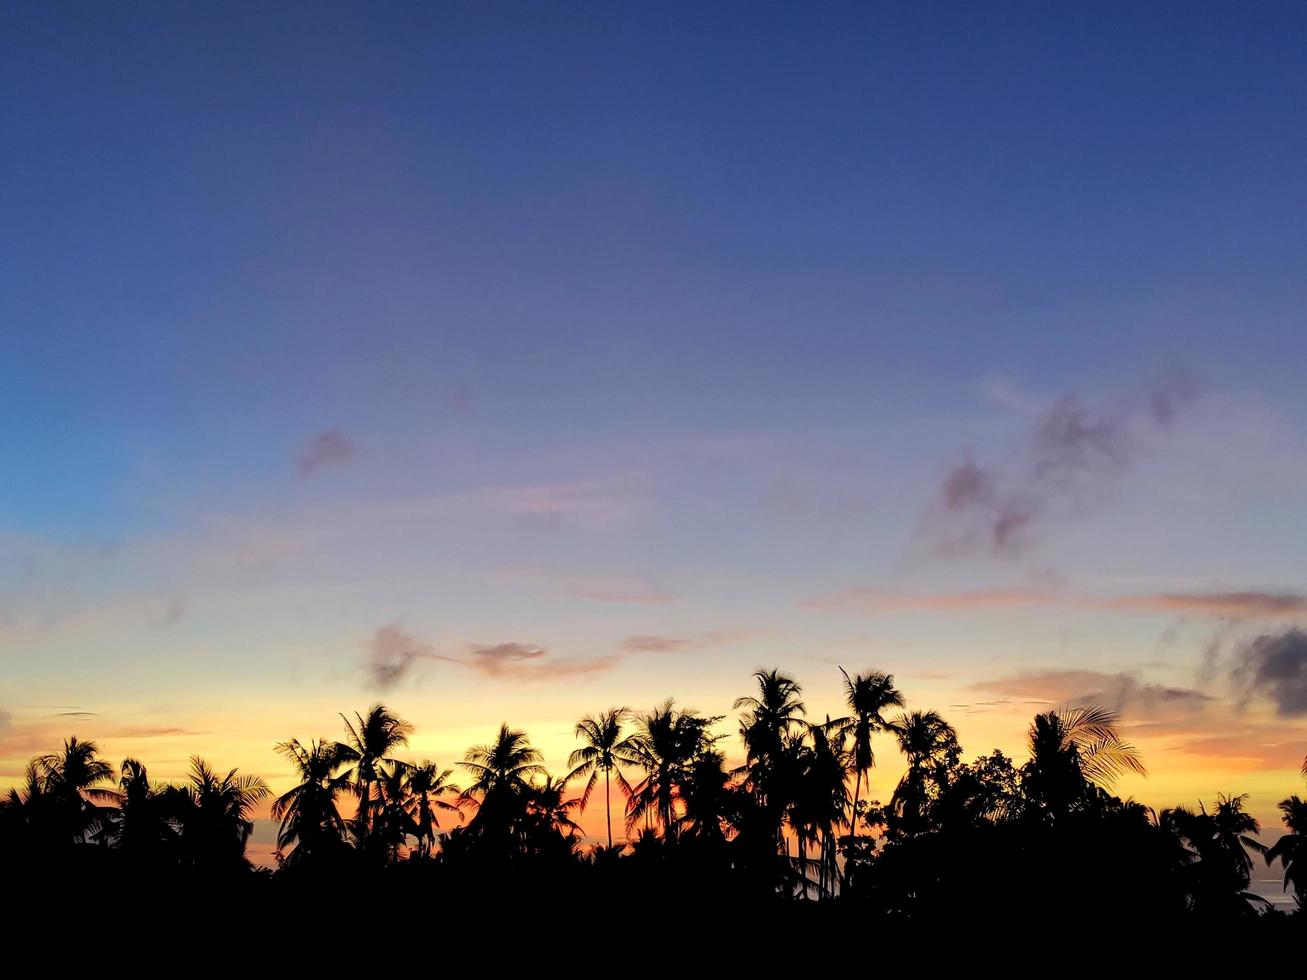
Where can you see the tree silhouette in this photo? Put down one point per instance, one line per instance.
(930, 745)
(70, 784)
(427, 784)
(1291, 849)
(311, 824)
(1223, 842)
(962, 842)
(665, 744)
(369, 742)
(217, 815)
(771, 721)
(868, 697)
(1073, 749)
(606, 750)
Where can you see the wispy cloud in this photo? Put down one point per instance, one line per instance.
(329, 448)
(523, 661)
(1248, 604)
(660, 643)
(390, 653)
(1073, 456)
(1119, 691)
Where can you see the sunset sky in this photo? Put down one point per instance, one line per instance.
(513, 362)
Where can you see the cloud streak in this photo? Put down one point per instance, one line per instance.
(1119, 691)
(1221, 604)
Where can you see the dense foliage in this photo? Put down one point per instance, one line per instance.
(956, 840)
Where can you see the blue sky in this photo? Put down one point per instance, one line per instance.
(668, 322)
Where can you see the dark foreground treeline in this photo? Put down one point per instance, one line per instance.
(957, 841)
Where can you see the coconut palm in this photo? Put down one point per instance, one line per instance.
(369, 741)
(706, 797)
(546, 802)
(769, 726)
(868, 697)
(606, 750)
(1072, 748)
(930, 745)
(1291, 849)
(70, 780)
(502, 771)
(427, 784)
(665, 744)
(218, 817)
(1223, 841)
(310, 817)
(146, 821)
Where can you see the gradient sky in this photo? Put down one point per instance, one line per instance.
(507, 362)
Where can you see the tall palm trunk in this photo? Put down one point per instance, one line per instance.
(608, 810)
(365, 798)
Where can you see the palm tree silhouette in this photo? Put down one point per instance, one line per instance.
(665, 744)
(146, 817)
(70, 779)
(1291, 849)
(1223, 840)
(369, 741)
(768, 726)
(310, 818)
(931, 747)
(219, 819)
(502, 771)
(606, 750)
(868, 697)
(1072, 748)
(427, 783)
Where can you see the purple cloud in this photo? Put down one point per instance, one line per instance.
(330, 448)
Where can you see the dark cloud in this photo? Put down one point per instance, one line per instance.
(1074, 455)
(1274, 666)
(330, 448)
(390, 654)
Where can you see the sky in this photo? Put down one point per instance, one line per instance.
(507, 362)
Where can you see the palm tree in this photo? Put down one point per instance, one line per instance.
(427, 783)
(27, 819)
(1072, 748)
(1223, 841)
(1292, 847)
(665, 744)
(705, 794)
(145, 823)
(821, 799)
(546, 801)
(868, 697)
(502, 772)
(768, 726)
(70, 779)
(930, 745)
(605, 750)
(369, 742)
(219, 819)
(310, 818)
